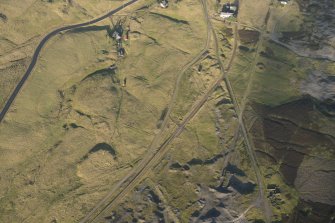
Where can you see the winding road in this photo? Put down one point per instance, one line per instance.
(40, 46)
(153, 157)
(134, 178)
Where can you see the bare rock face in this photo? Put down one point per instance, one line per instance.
(320, 86)
(311, 212)
(305, 152)
(311, 172)
(316, 37)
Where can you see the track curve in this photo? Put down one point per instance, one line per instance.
(40, 46)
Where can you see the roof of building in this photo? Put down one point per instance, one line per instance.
(229, 8)
(164, 3)
(121, 51)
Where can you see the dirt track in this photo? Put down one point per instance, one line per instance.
(40, 47)
(154, 157)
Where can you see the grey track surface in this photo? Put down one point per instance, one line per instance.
(40, 47)
(153, 157)
(133, 180)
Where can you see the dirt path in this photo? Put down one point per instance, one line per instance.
(120, 190)
(40, 47)
(261, 200)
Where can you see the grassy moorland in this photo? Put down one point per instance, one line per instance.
(75, 129)
(87, 119)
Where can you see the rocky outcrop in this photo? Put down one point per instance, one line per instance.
(316, 37)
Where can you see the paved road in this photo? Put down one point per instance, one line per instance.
(41, 45)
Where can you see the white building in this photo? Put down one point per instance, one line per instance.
(164, 4)
(226, 14)
(116, 35)
(228, 10)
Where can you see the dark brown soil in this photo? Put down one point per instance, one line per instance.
(284, 135)
(3, 17)
(312, 212)
(228, 32)
(248, 36)
(283, 128)
(286, 36)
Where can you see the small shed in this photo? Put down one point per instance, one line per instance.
(117, 35)
(283, 2)
(164, 4)
(121, 51)
(228, 10)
